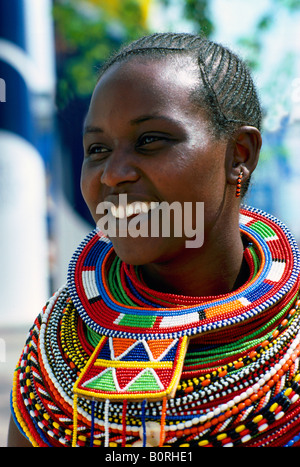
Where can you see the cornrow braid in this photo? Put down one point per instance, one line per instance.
(226, 89)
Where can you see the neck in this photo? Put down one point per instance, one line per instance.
(214, 269)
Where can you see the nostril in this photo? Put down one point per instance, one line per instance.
(118, 172)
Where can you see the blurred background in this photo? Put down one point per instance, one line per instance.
(50, 52)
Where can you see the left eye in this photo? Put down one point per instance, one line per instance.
(150, 139)
(97, 149)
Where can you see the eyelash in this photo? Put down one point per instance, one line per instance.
(93, 149)
(142, 140)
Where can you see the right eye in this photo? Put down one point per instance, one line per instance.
(96, 149)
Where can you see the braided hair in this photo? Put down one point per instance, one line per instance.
(226, 90)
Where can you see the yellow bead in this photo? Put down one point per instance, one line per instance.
(203, 443)
(56, 425)
(184, 445)
(273, 407)
(82, 438)
(257, 419)
(221, 436)
(288, 392)
(240, 428)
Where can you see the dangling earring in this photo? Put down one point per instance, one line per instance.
(239, 185)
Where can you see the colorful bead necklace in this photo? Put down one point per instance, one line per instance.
(108, 356)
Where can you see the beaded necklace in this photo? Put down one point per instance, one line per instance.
(108, 356)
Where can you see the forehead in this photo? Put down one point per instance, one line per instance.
(174, 70)
(167, 82)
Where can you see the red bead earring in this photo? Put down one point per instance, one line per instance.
(239, 185)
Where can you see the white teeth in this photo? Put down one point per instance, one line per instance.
(120, 212)
(129, 210)
(145, 207)
(137, 207)
(113, 210)
(154, 204)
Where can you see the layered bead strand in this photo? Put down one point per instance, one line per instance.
(240, 383)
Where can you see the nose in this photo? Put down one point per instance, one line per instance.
(119, 168)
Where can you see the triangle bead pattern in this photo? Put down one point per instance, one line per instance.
(133, 369)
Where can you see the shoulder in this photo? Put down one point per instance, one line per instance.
(15, 438)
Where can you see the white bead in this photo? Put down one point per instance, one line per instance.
(263, 427)
(246, 438)
(237, 399)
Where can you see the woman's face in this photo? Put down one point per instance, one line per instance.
(144, 138)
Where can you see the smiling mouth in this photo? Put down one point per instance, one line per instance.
(132, 209)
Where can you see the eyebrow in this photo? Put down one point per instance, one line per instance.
(135, 121)
(145, 118)
(92, 129)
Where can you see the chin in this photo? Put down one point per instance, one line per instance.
(140, 251)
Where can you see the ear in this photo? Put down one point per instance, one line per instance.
(242, 153)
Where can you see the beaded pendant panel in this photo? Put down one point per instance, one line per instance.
(133, 369)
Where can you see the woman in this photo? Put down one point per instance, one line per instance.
(156, 342)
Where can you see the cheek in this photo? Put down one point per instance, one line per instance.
(90, 185)
(193, 176)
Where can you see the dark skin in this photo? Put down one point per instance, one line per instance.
(145, 138)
